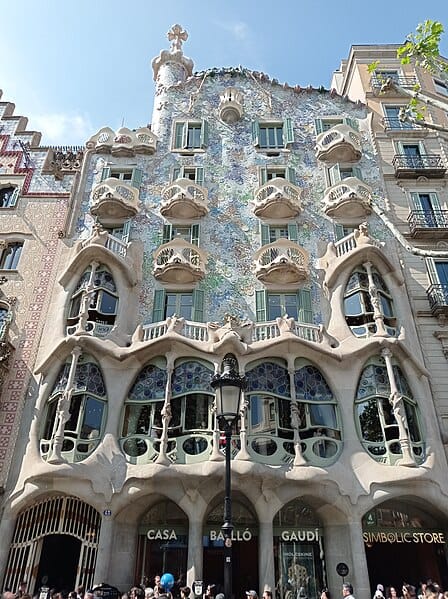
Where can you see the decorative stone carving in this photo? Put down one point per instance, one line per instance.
(179, 262)
(184, 199)
(278, 198)
(231, 105)
(62, 160)
(234, 327)
(124, 142)
(281, 262)
(176, 35)
(341, 143)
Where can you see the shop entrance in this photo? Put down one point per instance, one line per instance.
(404, 544)
(245, 547)
(55, 572)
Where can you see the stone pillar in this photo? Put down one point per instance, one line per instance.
(359, 573)
(104, 550)
(7, 525)
(266, 557)
(195, 552)
(123, 556)
(337, 549)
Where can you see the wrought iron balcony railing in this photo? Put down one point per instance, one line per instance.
(438, 299)
(428, 219)
(396, 123)
(377, 81)
(428, 164)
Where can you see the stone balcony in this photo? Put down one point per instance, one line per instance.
(281, 262)
(184, 199)
(341, 143)
(438, 299)
(124, 142)
(180, 262)
(278, 198)
(231, 105)
(113, 201)
(349, 198)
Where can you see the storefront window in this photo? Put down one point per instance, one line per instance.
(299, 553)
(162, 544)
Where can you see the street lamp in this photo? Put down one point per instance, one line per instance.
(228, 386)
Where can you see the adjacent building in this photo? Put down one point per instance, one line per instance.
(302, 231)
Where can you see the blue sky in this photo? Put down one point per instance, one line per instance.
(73, 67)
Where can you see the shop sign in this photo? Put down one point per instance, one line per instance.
(404, 537)
(300, 535)
(162, 534)
(237, 535)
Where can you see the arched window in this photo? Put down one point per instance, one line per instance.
(101, 302)
(320, 430)
(360, 295)
(142, 421)
(84, 427)
(376, 421)
(191, 425)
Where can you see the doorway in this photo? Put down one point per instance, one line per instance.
(58, 563)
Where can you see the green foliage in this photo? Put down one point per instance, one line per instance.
(371, 68)
(423, 47)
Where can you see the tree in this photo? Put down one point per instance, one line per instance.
(422, 48)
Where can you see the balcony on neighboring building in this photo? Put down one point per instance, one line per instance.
(382, 83)
(349, 198)
(180, 262)
(396, 124)
(428, 223)
(438, 299)
(282, 262)
(410, 166)
(278, 198)
(341, 143)
(114, 201)
(184, 199)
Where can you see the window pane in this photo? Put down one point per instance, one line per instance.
(197, 412)
(263, 138)
(93, 416)
(49, 423)
(291, 306)
(274, 307)
(260, 414)
(352, 305)
(284, 413)
(136, 419)
(72, 422)
(370, 421)
(322, 415)
(108, 303)
(413, 427)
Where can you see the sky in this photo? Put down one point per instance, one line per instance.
(74, 67)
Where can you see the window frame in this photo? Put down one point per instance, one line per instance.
(440, 86)
(179, 172)
(17, 248)
(287, 133)
(159, 312)
(136, 174)
(269, 172)
(180, 135)
(12, 201)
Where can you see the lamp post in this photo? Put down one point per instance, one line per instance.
(228, 386)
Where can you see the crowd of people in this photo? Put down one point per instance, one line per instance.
(176, 590)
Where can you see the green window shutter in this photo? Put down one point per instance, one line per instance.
(263, 175)
(357, 172)
(158, 310)
(304, 306)
(195, 234)
(339, 231)
(204, 134)
(126, 230)
(353, 123)
(415, 201)
(105, 173)
(255, 133)
(166, 234)
(14, 197)
(288, 132)
(260, 305)
(293, 233)
(334, 174)
(264, 230)
(319, 126)
(291, 175)
(178, 173)
(432, 271)
(198, 305)
(180, 130)
(434, 201)
(199, 177)
(137, 175)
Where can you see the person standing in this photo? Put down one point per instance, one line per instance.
(347, 591)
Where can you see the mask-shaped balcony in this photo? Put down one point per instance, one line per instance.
(349, 198)
(278, 198)
(124, 142)
(282, 262)
(184, 199)
(179, 262)
(114, 201)
(231, 105)
(341, 143)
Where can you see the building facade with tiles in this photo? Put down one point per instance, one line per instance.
(267, 222)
